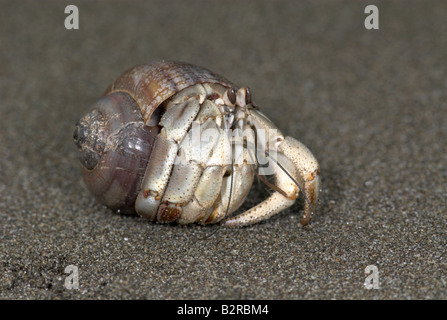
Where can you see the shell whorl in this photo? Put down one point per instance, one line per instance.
(152, 84)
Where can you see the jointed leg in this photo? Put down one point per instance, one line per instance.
(296, 168)
(309, 172)
(275, 203)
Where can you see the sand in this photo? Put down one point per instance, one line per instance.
(370, 104)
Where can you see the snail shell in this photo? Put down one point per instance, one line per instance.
(116, 137)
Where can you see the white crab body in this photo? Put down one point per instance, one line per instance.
(205, 158)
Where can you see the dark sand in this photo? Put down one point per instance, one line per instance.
(371, 105)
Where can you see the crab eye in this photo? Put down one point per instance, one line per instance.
(247, 96)
(230, 95)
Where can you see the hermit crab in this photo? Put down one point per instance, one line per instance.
(176, 142)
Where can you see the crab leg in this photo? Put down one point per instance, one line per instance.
(295, 164)
(309, 172)
(275, 203)
(175, 122)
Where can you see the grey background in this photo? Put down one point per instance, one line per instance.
(371, 105)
